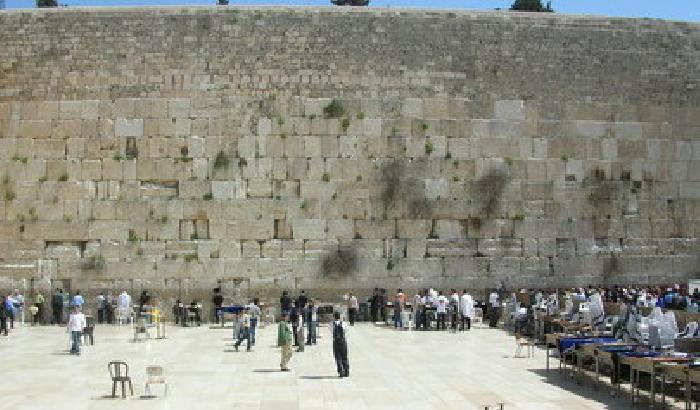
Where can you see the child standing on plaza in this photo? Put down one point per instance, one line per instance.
(76, 324)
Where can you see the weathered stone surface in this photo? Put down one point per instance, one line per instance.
(122, 152)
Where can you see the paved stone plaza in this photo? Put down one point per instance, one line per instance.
(389, 370)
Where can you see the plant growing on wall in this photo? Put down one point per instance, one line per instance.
(489, 189)
(532, 5)
(405, 193)
(334, 109)
(46, 3)
(221, 160)
(342, 262)
(94, 262)
(350, 2)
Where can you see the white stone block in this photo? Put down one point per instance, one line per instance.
(128, 127)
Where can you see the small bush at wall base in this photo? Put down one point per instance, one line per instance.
(208, 196)
(63, 178)
(191, 257)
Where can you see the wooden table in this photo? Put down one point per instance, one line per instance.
(604, 356)
(649, 365)
(683, 373)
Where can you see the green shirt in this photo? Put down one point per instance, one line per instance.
(284, 334)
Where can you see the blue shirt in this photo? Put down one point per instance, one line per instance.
(78, 301)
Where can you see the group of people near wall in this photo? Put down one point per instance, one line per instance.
(676, 297)
(455, 308)
(300, 315)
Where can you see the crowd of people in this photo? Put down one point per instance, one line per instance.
(427, 309)
(426, 306)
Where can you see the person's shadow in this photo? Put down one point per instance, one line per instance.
(318, 377)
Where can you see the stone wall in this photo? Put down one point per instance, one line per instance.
(329, 148)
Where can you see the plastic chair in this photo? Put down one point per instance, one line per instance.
(119, 371)
(478, 315)
(154, 375)
(521, 341)
(690, 330)
(140, 328)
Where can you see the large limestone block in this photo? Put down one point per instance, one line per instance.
(450, 229)
(251, 249)
(124, 127)
(73, 110)
(158, 231)
(459, 148)
(689, 190)
(259, 188)
(412, 108)
(509, 110)
(8, 148)
(179, 108)
(414, 228)
(309, 228)
(223, 189)
(34, 129)
(375, 229)
(317, 189)
(272, 248)
(230, 249)
(250, 229)
(340, 229)
(56, 231)
(49, 149)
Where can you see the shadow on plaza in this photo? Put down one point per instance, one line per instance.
(319, 377)
(585, 389)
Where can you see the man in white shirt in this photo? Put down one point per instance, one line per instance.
(353, 307)
(441, 304)
(255, 314)
(454, 308)
(18, 310)
(467, 309)
(123, 306)
(243, 329)
(76, 324)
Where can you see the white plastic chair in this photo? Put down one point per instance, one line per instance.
(407, 319)
(690, 330)
(478, 315)
(521, 341)
(154, 375)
